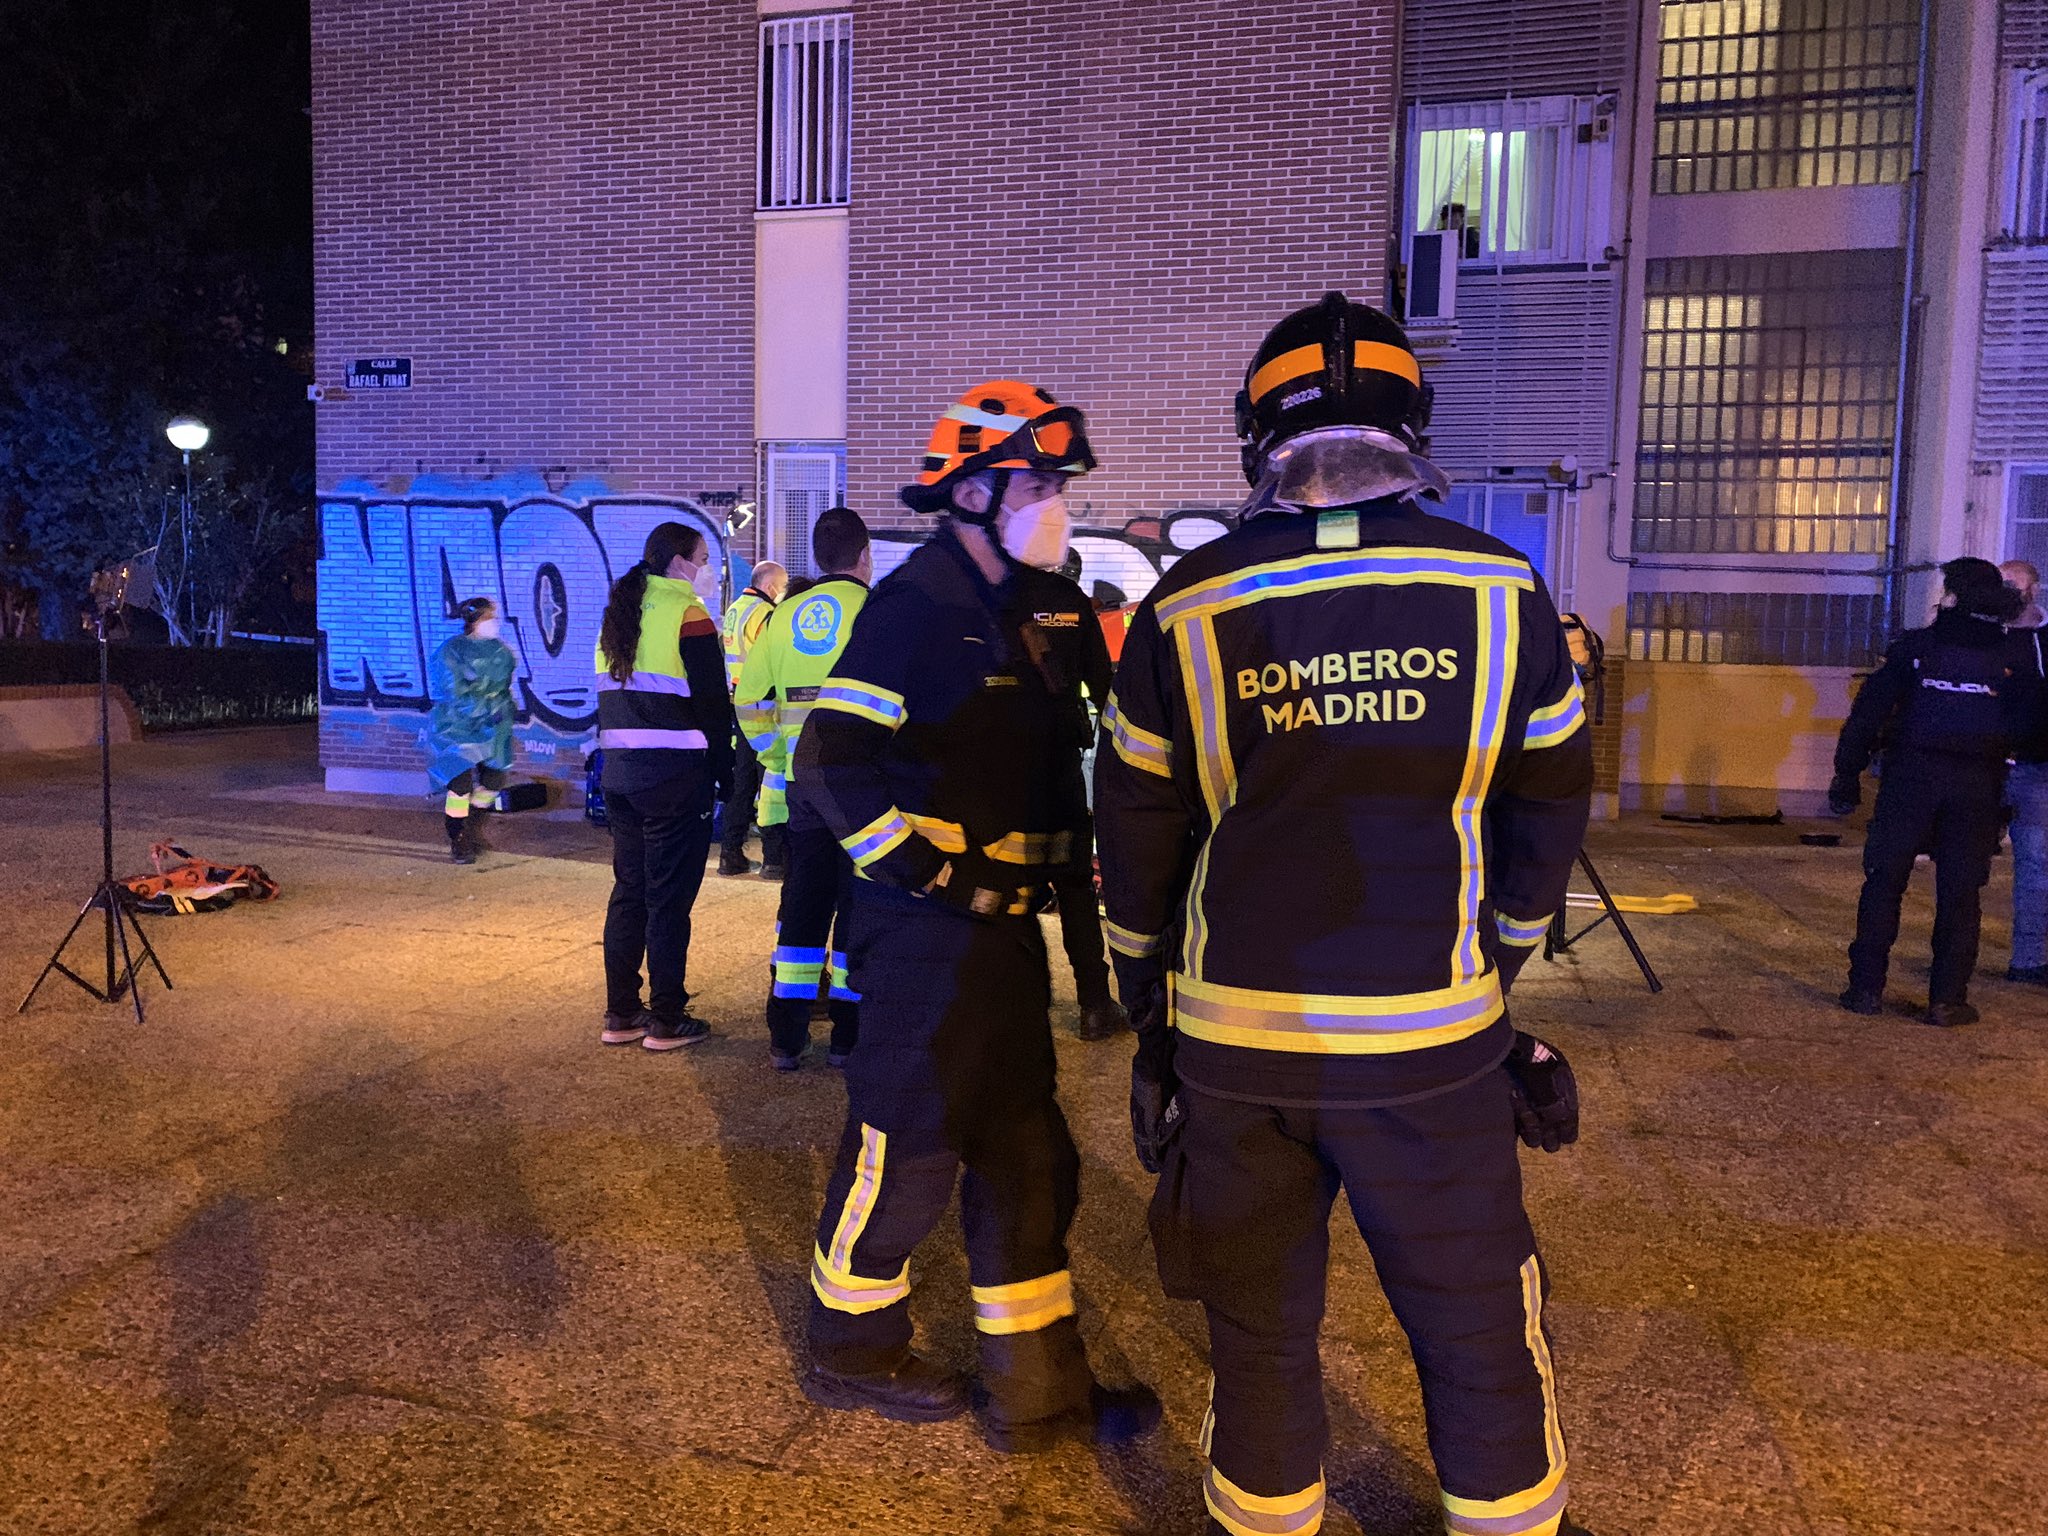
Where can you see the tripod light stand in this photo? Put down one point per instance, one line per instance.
(109, 592)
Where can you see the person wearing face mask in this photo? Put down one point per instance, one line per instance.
(470, 727)
(741, 629)
(664, 723)
(938, 753)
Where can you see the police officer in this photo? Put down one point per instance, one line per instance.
(938, 753)
(1342, 779)
(777, 686)
(741, 627)
(1943, 708)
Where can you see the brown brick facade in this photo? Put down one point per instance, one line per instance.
(1112, 201)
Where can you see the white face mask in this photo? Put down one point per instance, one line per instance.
(704, 582)
(1037, 533)
(486, 629)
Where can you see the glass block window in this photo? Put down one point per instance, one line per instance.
(1786, 629)
(1768, 387)
(1784, 93)
(806, 111)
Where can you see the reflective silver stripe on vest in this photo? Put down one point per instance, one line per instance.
(643, 736)
(645, 682)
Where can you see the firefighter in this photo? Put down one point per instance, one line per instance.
(1063, 611)
(664, 723)
(777, 686)
(939, 752)
(1342, 778)
(740, 629)
(1944, 708)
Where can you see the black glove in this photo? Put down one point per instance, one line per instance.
(1156, 1113)
(1845, 793)
(976, 884)
(1545, 1094)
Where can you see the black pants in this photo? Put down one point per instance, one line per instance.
(738, 814)
(1946, 806)
(1242, 1219)
(1081, 928)
(660, 837)
(817, 895)
(470, 780)
(954, 1072)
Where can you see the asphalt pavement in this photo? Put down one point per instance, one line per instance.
(363, 1231)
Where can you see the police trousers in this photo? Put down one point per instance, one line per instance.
(1947, 806)
(1435, 1186)
(953, 1080)
(817, 894)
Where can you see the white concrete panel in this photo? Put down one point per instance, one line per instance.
(800, 326)
(1783, 219)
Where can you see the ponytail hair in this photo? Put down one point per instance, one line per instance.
(618, 636)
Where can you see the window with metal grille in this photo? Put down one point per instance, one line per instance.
(1784, 93)
(806, 111)
(2026, 536)
(1768, 388)
(1757, 629)
(2026, 160)
(1524, 516)
(1525, 181)
(799, 480)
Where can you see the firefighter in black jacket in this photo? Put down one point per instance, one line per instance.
(938, 753)
(1943, 708)
(1343, 776)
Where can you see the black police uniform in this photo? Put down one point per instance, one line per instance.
(937, 751)
(1943, 709)
(1342, 780)
(1063, 612)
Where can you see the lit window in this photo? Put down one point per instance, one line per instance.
(2026, 161)
(1755, 94)
(806, 111)
(2027, 519)
(1526, 181)
(1522, 516)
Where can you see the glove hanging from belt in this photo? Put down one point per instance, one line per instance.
(1156, 1112)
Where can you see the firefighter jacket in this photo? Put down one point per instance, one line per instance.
(741, 627)
(945, 730)
(1345, 762)
(1062, 611)
(674, 702)
(785, 667)
(1961, 689)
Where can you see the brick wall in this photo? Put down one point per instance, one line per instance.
(1112, 201)
(548, 206)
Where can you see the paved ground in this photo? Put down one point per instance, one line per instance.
(364, 1232)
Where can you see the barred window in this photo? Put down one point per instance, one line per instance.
(1784, 93)
(806, 111)
(1525, 180)
(2026, 161)
(2027, 520)
(1786, 629)
(1768, 389)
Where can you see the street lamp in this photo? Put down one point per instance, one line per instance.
(188, 434)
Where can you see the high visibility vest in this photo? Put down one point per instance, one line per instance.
(652, 711)
(743, 623)
(783, 672)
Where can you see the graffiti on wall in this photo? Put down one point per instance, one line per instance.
(394, 569)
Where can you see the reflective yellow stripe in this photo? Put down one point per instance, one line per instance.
(1030, 847)
(1378, 356)
(1249, 1514)
(1136, 745)
(1202, 684)
(1536, 1511)
(844, 1291)
(1128, 941)
(1025, 1306)
(877, 838)
(1321, 1023)
(946, 836)
(860, 1198)
(1498, 620)
(1521, 932)
(1556, 723)
(1326, 569)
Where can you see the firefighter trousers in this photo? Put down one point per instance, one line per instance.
(810, 934)
(953, 1080)
(1435, 1187)
(1949, 807)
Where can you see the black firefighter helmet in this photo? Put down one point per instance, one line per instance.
(1333, 364)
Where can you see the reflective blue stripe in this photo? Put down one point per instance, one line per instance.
(875, 839)
(1555, 722)
(877, 704)
(1521, 931)
(1309, 571)
(1136, 745)
(790, 954)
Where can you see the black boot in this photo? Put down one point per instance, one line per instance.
(1113, 1415)
(915, 1392)
(459, 847)
(1103, 1020)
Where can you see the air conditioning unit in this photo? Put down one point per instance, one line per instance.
(1433, 277)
